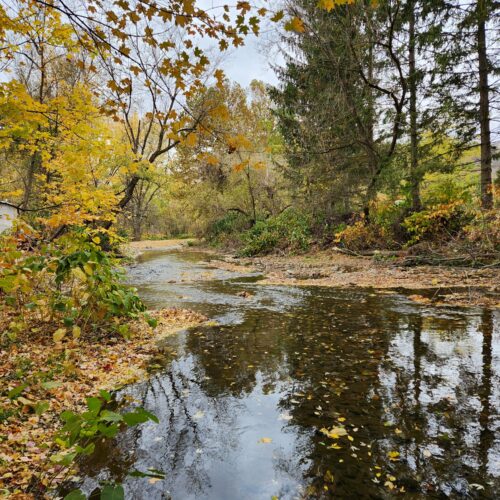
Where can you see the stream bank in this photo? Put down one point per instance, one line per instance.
(439, 285)
(57, 376)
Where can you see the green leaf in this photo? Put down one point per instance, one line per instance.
(88, 450)
(75, 495)
(69, 416)
(63, 458)
(59, 307)
(14, 393)
(111, 416)
(109, 431)
(152, 322)
(112, 492)
(151, 473)
(105, 395)
(94, 405)
(139, 416)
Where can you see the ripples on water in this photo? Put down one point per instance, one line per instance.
(242, 404)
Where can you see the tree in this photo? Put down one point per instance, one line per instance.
(231, 170)
(346, 85)
(152, 47)
(463, 71)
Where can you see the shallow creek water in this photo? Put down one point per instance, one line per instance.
(412, 394)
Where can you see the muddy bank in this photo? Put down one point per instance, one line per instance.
(450, 285)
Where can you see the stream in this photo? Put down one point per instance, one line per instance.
(308, 392)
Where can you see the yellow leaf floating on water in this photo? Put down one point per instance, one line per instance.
(393, 455)
(265, 440)
(334, 432)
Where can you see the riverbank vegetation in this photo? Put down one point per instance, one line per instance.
(117, 123)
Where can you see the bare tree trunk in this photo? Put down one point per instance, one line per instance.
(252, 196)
(416, 204)
(484, 108)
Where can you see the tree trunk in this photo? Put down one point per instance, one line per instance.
(416, 204)
(137, 228)
(127, 196)
(30, 178)
(484, 108)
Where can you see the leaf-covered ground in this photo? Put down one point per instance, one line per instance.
(41, 378)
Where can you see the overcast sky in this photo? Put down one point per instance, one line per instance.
(250, 62)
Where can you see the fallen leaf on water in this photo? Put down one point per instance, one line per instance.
(334, 432)
(476, 486)
(265, 440)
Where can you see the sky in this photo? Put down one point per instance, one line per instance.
(250, 62)
(253, 60)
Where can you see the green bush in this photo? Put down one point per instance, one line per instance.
(72, 284)
(227, 227)
(290, 230)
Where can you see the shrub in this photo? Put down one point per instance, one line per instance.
(289, 230)
(227, 227)
(70, 284)
(437, 222)
(363, 236)
(483, 233)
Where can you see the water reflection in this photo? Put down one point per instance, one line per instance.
(242, 406)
